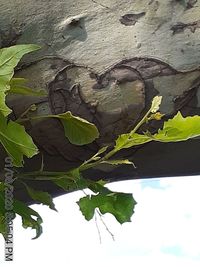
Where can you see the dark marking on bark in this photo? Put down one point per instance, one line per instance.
(75, 22)
(100, 4)
(10, 36)
(190, 4)
(148, 68)
(180, 27)
(66, 95)
(131, 19)
(23, 65)
(182, 100)
(156, 4)
(151, 2)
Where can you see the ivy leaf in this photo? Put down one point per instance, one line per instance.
(9, 58)
(179, 129)
(30, 218)
(78, 130)
(18, 86)
(40, 196)
(120, 205)
(156, 104)
(16, 141)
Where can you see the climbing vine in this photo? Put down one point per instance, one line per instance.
(18, 143)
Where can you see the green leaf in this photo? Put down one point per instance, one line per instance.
(18, 86)
(9, 58)
(78, 130)
(120, 205)
(73, 180)
(3, 226)
(156, 104)
(2, 202)
(174, 130)
(16, 141)
(98, 187)
(66, 184)
(40, 196)
(179, 129)
(2, 186)
(30, 218)
(130, 140)
(87, 207)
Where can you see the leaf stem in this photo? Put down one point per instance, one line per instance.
(86, 166)
(141, 122)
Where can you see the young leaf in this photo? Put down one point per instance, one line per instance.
(179, 129)
(130, 140)
(78, 130)
(96, 156)
(40, 196)
(18, 86)
(156, 116)
(118, 162)
(156, 104)
(9, 58)
(16, 141)
(174, 130)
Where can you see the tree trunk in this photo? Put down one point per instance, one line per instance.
(104, 60)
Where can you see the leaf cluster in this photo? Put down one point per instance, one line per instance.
(19, 144)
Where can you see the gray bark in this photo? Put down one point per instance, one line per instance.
(104, 61)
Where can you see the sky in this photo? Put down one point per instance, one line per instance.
(165, 230)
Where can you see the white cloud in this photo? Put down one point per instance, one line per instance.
(165, 230)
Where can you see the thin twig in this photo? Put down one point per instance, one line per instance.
(106, 227)
(97, 226)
